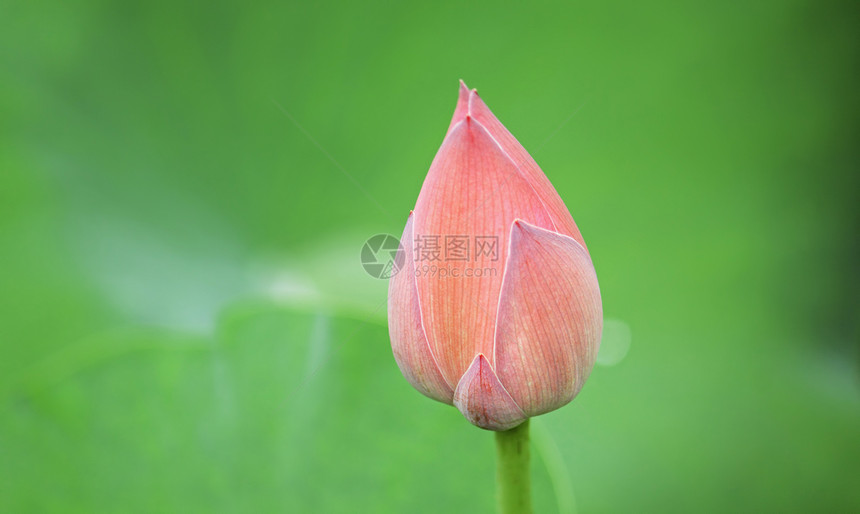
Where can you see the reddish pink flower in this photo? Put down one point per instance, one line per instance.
(502, 336)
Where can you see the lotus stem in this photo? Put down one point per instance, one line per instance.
(513, 478)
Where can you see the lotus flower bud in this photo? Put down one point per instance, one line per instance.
(501, 335)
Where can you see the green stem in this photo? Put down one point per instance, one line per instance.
(513, 478)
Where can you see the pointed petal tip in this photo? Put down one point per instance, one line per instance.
(464, 89)
(473, 93)
(484, 401)
(462, 108)
(520, 226)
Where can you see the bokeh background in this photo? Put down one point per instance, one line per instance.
(185, 187)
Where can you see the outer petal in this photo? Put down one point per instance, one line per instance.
(483, 400)
(550, 319)
(408, 341)
(473, 189)
(561, 217)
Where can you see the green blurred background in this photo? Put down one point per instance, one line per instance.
(185, 325)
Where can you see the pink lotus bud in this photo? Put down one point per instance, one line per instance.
(502, 336)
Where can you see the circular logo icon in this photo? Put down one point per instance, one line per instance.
(382, 256)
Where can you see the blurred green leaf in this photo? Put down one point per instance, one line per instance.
(280, 411)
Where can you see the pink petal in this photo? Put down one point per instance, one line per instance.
(483, 400)
(536, 178)
(472, 189)
(462, 108)
(550, 319)
(408, 341)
